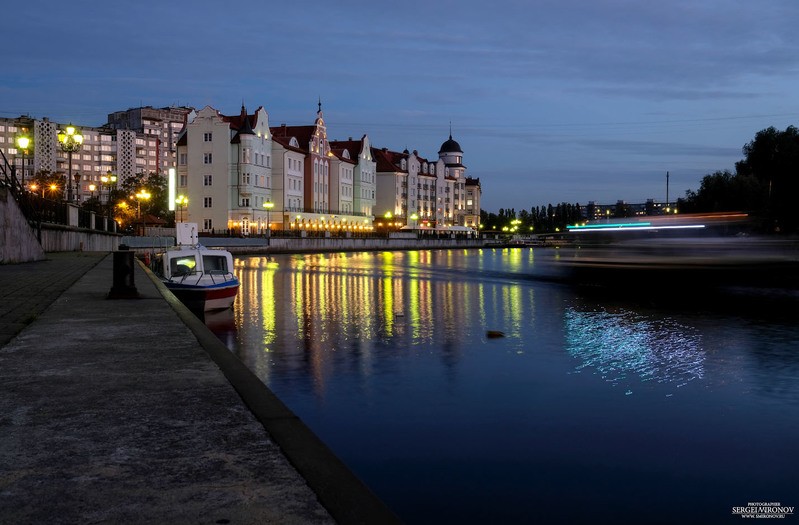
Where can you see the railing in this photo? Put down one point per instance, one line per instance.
(84, 219)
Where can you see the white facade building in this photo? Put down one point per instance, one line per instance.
(415, 191)
(225, 170)
(364, 181)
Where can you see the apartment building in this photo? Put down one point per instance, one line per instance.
(225, 170)
(419, 192)
(120, 151)
(163, 125)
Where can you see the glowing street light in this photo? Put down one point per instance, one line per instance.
(70, 140)
(182, 202)
(108, 181)
(142, 195)
(23, 142)
(268, 207)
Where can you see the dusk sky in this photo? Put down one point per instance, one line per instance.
(550, 100)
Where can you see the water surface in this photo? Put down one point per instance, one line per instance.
(588, 410)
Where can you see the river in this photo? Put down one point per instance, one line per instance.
(587, 408)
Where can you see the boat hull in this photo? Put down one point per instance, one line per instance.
(205, 298)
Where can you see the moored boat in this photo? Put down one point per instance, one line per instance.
(202, 278)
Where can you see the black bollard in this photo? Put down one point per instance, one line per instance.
(124, 265)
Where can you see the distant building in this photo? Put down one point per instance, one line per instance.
(225, 170)
(164, 124)
(364, 182)
(332, 179)
(120, 151)
(409, 186)
(474, 193)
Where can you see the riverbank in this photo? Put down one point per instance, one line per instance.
(131, 411)
(274, 245)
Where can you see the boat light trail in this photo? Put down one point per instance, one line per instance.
(630, 227)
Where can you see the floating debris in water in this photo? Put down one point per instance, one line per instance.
(628, 393)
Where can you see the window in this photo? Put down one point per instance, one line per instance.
(207, 180)
(182, 159)
(207, 158)
(207, 202)
(208, 224)
(215, 264)
(207, 137)
(245, 202)
(183, 180)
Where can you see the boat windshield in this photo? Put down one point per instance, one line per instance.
(215, 264)
(182, 265)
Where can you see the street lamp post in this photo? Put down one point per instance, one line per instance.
(70, 140)
(268, 206)
(92, 187)
(77, 186)
(23, 143)
(108, 180)
(142, 195)
(181, 201)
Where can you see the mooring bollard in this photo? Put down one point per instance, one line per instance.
(124, 265)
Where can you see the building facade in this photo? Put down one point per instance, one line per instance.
(414, 191)
(119, 151)
(162, 124)
(364, 181)
(225, 170)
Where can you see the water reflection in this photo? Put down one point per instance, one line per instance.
(385, 356)
(622, 345)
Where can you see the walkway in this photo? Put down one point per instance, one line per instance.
(111, 411)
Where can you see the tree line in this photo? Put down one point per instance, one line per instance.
(765, 184)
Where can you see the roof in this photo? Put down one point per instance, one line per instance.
(285, 142)
(450, 146)
(303, 134)
(151, 220)
(388, 160)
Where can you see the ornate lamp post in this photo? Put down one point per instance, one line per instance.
(23, 142)
(142, 195)
(70, 140)
(77, 186)
(108, 180)
(92, 187)
(181, 201)
(268, 206)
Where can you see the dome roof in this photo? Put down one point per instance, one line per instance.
(450, 146)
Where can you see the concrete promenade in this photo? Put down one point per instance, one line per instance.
(131, 411)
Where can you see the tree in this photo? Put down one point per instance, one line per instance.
(772, 159)
(47, 184)
(152, 183)
(723, 191)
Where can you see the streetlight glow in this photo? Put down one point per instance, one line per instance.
(70, 141)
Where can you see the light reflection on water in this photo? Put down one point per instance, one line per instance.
(385, 356)
(622, 343)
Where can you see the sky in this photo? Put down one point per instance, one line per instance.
(551, 101)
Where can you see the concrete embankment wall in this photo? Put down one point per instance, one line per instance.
(58, 238)
(18, 241)
(243, 246)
